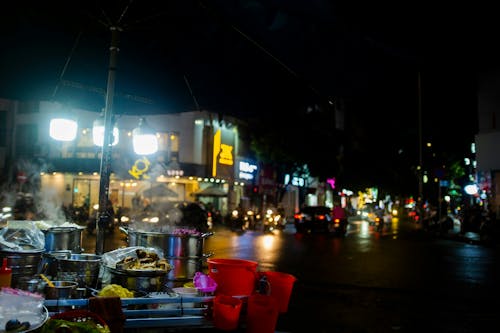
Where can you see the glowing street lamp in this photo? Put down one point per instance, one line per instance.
(98, 133)
(144, 139)
(471, 189)
(62, 129)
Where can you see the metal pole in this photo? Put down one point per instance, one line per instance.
(420, 159)
(104, 219)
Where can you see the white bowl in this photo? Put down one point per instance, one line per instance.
(186, 292)
(164, 294)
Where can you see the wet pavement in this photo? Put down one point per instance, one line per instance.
(347, 307)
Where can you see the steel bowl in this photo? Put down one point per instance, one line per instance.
(61, 290)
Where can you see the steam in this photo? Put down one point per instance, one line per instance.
(49, 205)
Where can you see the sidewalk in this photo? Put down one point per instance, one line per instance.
(467, 237)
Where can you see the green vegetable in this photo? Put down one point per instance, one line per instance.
(66, 326)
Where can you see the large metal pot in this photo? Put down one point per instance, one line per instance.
(63, 238)
(24, 264)
(184, 268)
(82, 268)
(49, 263)
(173, 245)
(138, 280)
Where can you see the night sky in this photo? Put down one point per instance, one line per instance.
(268, 59)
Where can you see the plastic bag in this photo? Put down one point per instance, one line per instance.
(110, 258)
(22, 235)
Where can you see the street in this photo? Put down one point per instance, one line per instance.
(399, 280)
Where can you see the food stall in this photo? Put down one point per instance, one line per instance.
(47, 261)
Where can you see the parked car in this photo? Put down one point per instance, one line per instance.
(313, 219)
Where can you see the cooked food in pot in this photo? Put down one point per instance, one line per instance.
(145, 260)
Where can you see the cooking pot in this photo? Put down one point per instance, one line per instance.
(82, 267)
(138, 280)
(63, 238)
(49, 264)
(173, 245)
(24, 264)
(184, 268)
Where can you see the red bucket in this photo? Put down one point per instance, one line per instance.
(281, 285)
(226, 312)
(234, 277)
(262, 314)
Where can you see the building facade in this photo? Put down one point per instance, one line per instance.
(487, 139)
(197, 151)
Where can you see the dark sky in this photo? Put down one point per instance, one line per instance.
(237, 53)
(256, 58)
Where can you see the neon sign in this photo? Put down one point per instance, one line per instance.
(295, 181)
(223, 153)
(247, 170)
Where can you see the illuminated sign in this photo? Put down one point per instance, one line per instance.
(226, 154)
(222, 154)
(139, 169)
(173, 173)
(247, 170)
(295, 181)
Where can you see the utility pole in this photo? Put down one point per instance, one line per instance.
(420, 161)
(104, 218)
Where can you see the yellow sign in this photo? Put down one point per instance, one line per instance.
(139, 169)
(222, 153)
(226, 154)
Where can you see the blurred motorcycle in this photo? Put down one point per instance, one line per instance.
(273, 221)
(237, 220)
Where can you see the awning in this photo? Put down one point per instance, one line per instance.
(211, 191)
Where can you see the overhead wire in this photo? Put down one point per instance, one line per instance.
(287, 68)
(66, 64)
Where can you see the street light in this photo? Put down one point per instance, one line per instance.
(98, 132)
(63, 129)
(144, 139)
(103, 217)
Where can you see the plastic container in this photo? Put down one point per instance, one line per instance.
(226, 312)
(262, 314)
(204, 283)
(5, 274)
(184, 293)
(234, 277)
(280, 287)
